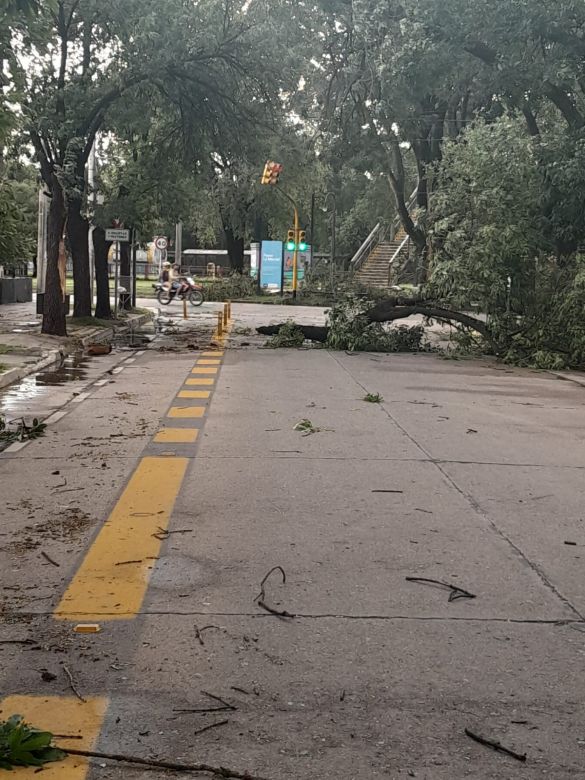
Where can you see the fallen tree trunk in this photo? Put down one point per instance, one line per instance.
(310, 332)
(390, 310)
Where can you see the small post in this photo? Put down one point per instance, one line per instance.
(229, 305)
(185, 315)
(219, 323)
(225, 315)
(116, 278)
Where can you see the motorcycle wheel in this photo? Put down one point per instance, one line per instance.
(163, 297)
(195, 297)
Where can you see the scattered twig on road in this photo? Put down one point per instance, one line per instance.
(18, 642)
(67, 736)
(63, 484)
(261, 597)
(72, 685)
(211, 726)
(223, 702)
(387, 491)
(495, 746)
(218, 771)
(48, 558)
(163, 534)
(123, 563)
(240, 690)
(69, 490)
(426, 511)
(342, 697)
(571, 544)
(456, 591)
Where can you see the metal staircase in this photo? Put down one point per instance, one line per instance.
(378, 261)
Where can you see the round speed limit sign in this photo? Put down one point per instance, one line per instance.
(161, 243)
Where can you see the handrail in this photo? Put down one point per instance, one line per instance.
(364, 251)
(397, 254)
(377, 236)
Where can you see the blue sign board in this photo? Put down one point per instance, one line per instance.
(271, 265)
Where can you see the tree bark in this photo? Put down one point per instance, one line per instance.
(101, 247)
(54, 323)
(78, 234)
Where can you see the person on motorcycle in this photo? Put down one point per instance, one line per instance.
(180, 285)
(166, 276)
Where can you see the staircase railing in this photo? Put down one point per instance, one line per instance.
(360, 257)
(405, 242)
(378, 235)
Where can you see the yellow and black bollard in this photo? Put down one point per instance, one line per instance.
(219, 323)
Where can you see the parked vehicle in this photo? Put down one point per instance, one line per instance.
(188, 290)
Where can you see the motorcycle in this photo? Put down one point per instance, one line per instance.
(188, 290)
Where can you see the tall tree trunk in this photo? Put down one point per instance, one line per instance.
(235, 248)
(78, 234)
(101, 247)
(54, 323)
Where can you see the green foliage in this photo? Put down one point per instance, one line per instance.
(350, 330)
(230, 288)
(306, 427)
(23, 745)
(373, 398)
(289, 336)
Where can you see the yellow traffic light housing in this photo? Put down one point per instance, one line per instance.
(290, 241)
(302, 245)
(272, 171)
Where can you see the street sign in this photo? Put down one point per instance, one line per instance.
(161, 243)
(117, 234)
(271, 265)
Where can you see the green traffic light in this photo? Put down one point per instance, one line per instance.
(290, 246)
(303, 247)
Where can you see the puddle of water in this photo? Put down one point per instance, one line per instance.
(72, 369)
(21, 399)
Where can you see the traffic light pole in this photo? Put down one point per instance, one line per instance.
(297, 227)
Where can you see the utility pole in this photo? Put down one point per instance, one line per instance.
(331, 196)
(178, 243)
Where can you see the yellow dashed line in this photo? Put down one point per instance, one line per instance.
(200, 382)
(205, 362)
(177, 436)
(114, 576)
(187, 412)
(204, 370)
(63, 715)
(194, 394)
(219, 353)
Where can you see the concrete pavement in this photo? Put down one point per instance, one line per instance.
(467, 472)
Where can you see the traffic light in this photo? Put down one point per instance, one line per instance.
(272, 171)
(303, 246)
(290, 241)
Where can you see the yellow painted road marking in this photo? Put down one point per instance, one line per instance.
(187, 412)
(194, 394)
(204, 370)
(177, 436)
(205, 362)
(60, 715)
(201, 382)
(113, 578)
(218, 353)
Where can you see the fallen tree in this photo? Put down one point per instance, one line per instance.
(387, 310)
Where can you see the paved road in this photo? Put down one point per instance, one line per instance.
(468, 472)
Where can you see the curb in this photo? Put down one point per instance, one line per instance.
(54, 355)
(18, 373)
(568, 378)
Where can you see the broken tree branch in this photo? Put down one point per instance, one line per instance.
(218, 771)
